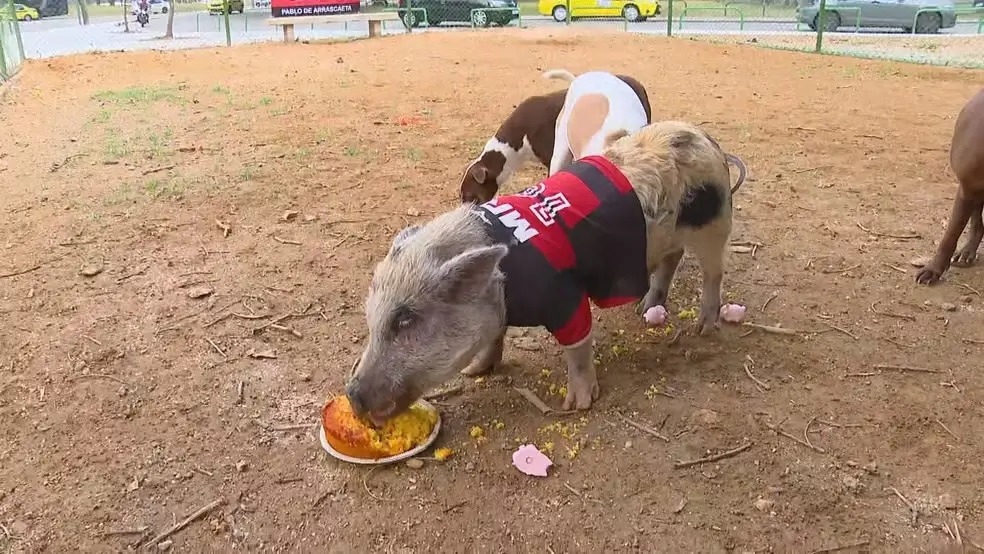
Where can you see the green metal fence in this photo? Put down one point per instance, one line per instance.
(11, 44)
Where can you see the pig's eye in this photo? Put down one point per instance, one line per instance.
(402, 319)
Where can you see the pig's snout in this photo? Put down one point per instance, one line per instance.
(368, 404)
(354, 393)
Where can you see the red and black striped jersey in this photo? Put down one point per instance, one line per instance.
(578, 234)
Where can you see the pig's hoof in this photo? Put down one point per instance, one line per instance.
(929, 275)
(580, 395)
(651, 300)
(477, 368)
(707, 323)
(965, 257)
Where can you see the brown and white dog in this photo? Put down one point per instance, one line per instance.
(529, 132)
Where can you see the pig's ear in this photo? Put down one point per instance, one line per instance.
(467, 275)
(402, 237)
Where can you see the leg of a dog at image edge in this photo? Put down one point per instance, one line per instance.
(562, 155)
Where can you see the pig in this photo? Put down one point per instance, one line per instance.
(440, 301)
(967, 162)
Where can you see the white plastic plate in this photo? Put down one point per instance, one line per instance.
(388, 460)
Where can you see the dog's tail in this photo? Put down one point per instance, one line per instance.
(742, 170)
(562, 74)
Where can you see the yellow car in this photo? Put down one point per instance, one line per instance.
(631, 10)
(22, 12)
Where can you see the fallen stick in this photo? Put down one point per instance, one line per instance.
(760, 384)
(947, 429)
(972, 341)
(841, 547)
(136, 531)
(890, 314)
(20, 272)
(532, 398)
(286, 241)
(771, 329)
(844, 270)
(641, 427)
(157, 169)
(777, 429)
(888, 235)
(912, 507)
(435, 395)
(841, 330)
(184, 523)
(905, 368)
(733, 452)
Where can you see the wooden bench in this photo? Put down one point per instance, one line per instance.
(375, 20)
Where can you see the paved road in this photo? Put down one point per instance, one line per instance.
(64, 35)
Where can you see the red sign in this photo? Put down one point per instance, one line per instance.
(290, 8)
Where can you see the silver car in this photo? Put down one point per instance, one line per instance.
(926, 16)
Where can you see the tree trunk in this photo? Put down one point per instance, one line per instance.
(84, 11)
(170, 20)
(126, 23)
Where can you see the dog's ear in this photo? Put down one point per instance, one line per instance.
(473, 188)
(614, 136)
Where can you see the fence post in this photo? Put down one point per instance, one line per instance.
(567, 4)
(226, 8)
(409, 18)
(821, 20)
(669, 18)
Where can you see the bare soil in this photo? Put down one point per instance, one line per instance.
(135, 382)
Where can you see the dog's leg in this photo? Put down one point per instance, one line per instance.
(487, 360)
(660, 280)
(709, 245)
(582, 381)
(562, 156)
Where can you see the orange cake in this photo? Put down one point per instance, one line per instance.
(351, 436)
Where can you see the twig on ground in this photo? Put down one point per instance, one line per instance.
(158, 169)
(840, 425)
(438, 394)
(365, 485)
(895, 267)
(287, 480)
(102, 376)
(841, 547)
(286, 241)
(140, 271)
(844, 270)
(779, 431)
(248, 316)
(239, 391)
(20, 272)
(758, 383)
(947, 429)
(806, 431)
(888, 235)
(713, 458)
(306, 312)
(287, 330)
(216, 347)
(455, 506)
(912, 507)
(908, 317)
(641, 427)
(92, 340)
(771, 329)
(226, 229)
(295, 427)
(972, 341)
(862, 374)
(768, 300)
(576, 492)
(841, 330)
(905, 368)
(321, 498)
(970, 288)
(532, 398)
(184, 523)
(136, 531)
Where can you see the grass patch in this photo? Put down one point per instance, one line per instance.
(352, 151)
(139, 95)
(117, 147)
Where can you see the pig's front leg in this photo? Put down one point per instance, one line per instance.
(488, 358)
(582, 382)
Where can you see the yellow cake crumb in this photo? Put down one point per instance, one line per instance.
(689, 313)
(442, 454)
(476, 432)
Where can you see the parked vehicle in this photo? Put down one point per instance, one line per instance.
(46, 8)
(480, 13)
(630, 10)
(215, 6)
(156, 6)
(979, 3)
(926, 16)
(21, 12)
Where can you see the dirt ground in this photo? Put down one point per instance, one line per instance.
(136, 377)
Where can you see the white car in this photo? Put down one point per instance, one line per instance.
(156, 6)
